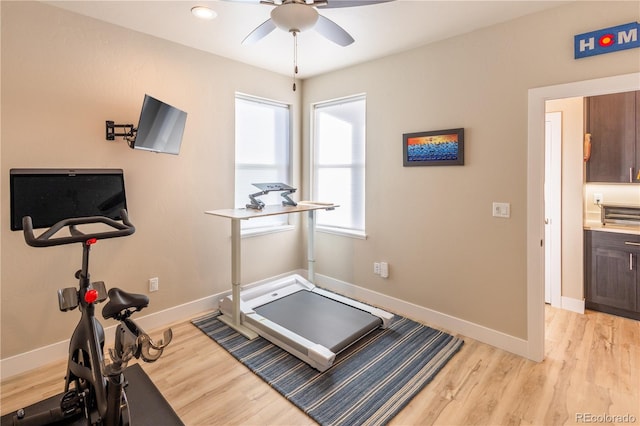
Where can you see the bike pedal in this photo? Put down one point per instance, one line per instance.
(71, 403)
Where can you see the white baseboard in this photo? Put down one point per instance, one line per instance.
(41, 356)
(427, 316)
(573, 305)
(24, 362)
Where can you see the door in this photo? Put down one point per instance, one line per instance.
(553, 208)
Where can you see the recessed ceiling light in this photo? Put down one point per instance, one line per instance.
(203, 12)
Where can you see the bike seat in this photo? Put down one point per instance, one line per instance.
(120, 300)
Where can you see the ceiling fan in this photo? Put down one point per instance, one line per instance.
(295, 16)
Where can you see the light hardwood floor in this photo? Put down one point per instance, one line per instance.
(591, 369)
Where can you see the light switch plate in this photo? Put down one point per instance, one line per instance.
(502, 210)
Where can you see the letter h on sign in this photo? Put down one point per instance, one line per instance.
(607, 40)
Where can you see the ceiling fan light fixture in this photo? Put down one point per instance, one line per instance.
(203, 12)
(294, 17)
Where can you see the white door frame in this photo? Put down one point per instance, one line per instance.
(535, 191)
(553, 209)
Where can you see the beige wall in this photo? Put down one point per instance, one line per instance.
(63, 75)
(433, 224)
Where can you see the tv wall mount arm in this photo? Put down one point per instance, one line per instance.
(285, 190)
(129, 135)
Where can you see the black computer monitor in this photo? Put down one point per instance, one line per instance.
(51, 195)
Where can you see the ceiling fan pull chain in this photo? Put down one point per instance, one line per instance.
(295, 57)
(295, 52)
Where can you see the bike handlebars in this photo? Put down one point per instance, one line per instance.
(45, 239)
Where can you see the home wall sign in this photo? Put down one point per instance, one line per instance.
(607, 40)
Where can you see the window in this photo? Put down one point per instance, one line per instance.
(338, 163)
(262, 154)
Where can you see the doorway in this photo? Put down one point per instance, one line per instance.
(535, 191)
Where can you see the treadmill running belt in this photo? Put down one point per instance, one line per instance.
(321, 320)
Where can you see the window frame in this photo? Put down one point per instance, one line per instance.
(338, 230)
(269, 224)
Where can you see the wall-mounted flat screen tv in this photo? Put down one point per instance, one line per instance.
(160, 128)
(51, 195)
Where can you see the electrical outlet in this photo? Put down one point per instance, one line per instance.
(384, 269)
(153, 284)
(376, 268)
(597, 198)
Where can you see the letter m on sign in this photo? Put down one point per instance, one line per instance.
(607, 40)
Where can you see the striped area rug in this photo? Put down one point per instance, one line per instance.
(369, 383)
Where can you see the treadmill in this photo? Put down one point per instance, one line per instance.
(310, 323)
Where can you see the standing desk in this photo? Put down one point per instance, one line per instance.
(236, 215)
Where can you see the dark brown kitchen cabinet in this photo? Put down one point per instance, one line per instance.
(612, 280)
(613, 121)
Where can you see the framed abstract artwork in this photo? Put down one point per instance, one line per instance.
(434, 148)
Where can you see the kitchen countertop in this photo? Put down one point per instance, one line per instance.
(612, 227)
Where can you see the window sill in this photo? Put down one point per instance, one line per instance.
(255, 232)
(360, 235)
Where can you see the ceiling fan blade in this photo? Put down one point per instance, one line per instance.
(332, 31)
(262, 31)
(333, 4)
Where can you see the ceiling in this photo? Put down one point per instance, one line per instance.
(379, 30)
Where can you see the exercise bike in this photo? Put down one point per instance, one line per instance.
(95, 390)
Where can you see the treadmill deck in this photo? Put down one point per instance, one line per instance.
(319, 319)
